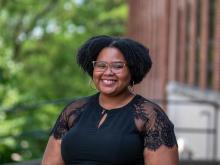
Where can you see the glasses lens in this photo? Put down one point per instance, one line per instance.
(117, 67)
(99, 66)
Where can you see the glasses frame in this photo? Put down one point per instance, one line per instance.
(109, 65)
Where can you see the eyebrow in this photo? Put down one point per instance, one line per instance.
(113, 61)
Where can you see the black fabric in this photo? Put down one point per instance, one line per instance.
(120, 139)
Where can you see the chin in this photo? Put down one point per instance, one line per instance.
(108, 92)
(111, 92)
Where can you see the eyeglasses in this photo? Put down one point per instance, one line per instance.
(101, 66)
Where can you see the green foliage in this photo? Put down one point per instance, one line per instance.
(38, 70)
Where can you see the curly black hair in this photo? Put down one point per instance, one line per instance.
(136, 55)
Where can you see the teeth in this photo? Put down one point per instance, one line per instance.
(108, 82)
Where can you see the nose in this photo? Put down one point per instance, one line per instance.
(108, 70)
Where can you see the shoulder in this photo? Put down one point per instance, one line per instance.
(147, 108)
(68, 117)
(153, 122)
(151, 115)
(142, 101)
(77, 105)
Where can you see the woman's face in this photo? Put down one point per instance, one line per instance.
(111, 74)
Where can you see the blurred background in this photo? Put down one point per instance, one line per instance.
(39, 75)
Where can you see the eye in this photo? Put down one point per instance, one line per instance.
(118, 65)
(100, 65)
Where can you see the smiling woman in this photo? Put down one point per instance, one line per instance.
(114, 126)
(112, 80)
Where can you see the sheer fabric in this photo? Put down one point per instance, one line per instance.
(152, 121)
(68, 117)
(141, 123)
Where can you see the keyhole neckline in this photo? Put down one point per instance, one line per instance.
(115, 110)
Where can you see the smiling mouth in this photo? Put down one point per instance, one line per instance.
(109, 82)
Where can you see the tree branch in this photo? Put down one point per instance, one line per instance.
(2, 3)
(42, 13)
(17, 44)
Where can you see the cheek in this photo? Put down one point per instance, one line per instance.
(95, 76)
(126, 79)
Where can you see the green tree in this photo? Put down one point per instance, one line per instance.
(38, 71)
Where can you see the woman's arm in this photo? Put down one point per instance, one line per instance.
(161, 156)
(52, 154)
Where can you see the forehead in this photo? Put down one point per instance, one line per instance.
(110, 54)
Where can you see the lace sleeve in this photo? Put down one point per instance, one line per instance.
(61, 126)
(67, 118)
(155, 126)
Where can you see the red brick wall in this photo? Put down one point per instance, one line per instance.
(179, 47)
(148, 23)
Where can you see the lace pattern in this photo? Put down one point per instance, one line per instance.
(151, 121)
(154, 124)
(68, 117)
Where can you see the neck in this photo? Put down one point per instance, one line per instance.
(115, 101)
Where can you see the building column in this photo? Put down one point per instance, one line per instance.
(173, 41)
(216, 61)
(182, 41)
(203, 60)
(192, 43)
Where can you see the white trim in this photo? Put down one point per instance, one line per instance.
(194, 92)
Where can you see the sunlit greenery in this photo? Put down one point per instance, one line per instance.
(38, 71)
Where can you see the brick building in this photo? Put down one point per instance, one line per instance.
(184, 41)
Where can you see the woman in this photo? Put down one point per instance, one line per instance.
(114, 126)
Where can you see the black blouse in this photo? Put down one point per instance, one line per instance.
(120, 139)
